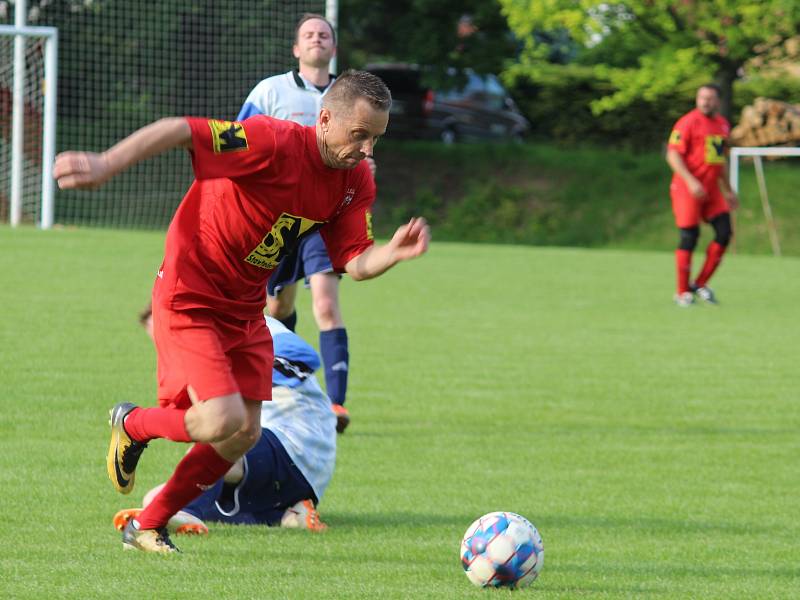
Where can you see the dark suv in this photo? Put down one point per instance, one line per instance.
(477, 110)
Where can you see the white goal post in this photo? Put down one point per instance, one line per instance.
(757, 154)
(26, 97)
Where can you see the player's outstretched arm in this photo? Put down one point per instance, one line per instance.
(409, 241)
(87, 170)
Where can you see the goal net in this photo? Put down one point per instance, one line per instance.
(784, 174)
(125, 63)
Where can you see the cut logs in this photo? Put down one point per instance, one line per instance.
(768, 123)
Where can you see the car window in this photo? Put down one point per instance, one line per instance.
(493, 86)
(475, 85)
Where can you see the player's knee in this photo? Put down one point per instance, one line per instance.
(244, 438)
(688, 238)
(723, 231)
(280, 309)
(251, 435)
(326, 310)
(222, 419)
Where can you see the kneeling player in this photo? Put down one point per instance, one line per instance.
(282, 479)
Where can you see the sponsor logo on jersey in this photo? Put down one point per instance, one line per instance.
(715, 150)
(348, 196)
(674, 137)
(227, 136)
(368, 217)
(281, 240)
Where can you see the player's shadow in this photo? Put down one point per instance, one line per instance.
(653, 525)
(397, 519)
(671, 570)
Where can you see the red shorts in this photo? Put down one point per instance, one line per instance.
(215, 355)
(688, 210)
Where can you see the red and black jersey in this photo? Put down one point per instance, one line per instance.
(701, 142)
(260, 185)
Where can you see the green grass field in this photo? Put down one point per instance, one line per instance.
(655, 448)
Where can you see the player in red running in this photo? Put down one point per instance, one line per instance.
(697, 154)
(260, 186)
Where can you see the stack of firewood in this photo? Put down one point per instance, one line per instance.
(768, 123)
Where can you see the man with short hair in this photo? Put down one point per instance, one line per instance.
(260, 186)
(697, 154)
(282, 479)
(296, 96)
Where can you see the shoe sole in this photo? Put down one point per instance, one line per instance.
(126, 546)
(191, 529)
(112, 463)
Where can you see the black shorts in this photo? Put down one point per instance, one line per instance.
(271, 484)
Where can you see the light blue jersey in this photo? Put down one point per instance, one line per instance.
(289, 96)
(295, 359)
(300, 413)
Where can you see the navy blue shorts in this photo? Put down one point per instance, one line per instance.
(272, 483)
(308, 258)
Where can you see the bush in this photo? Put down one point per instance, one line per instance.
(556, 99)
(557, 102)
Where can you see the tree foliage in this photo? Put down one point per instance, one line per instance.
(425, 32)
(649, 48)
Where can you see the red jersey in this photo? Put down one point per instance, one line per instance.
(701, 140)
(260, 185)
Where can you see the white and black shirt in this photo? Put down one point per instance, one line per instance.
(288, 96)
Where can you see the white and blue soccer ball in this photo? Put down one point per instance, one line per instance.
(502, 549)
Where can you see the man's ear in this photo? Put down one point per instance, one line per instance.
(324, 119)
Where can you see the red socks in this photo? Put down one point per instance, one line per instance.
(714, 254)
(683, 265)
(145, 424)
(198, 470)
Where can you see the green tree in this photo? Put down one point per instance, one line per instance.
(649, 48)
(425, 32)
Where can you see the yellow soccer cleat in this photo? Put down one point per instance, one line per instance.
(147, 540)
(123, 452)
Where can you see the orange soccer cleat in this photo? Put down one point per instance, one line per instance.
(342, 417)
(303, 515)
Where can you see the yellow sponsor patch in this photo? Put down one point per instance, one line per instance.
(369, 225)
(281, 240)
(227, 136)
(715, 150)
(674, 137)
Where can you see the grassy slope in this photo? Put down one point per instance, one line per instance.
(655, 448)
(545, 195)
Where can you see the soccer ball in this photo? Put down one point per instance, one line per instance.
(502, 549)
